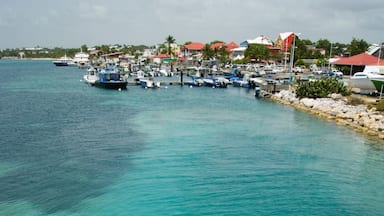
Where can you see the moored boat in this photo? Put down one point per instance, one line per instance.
(63, 61)
(91, 76)
(110, 78)
(195, 82)
(361, 82)
(149, 83)
(219, 82)
(379, 84)
(81, 59)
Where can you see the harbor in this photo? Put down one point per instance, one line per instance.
(158, 151)
(200, 108)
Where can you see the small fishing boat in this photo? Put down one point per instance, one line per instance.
(91, 76)
(219, 82)
(110, 78)
(149, 83)
(195, 82)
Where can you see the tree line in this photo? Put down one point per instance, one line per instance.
(304, 49)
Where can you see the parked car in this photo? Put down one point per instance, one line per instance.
(298, 70)
(333, 74)
(337, 72)
(329, 74)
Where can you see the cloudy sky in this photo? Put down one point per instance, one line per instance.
(71, 23)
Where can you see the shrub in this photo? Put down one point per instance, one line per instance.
(321, 88)
(355, 101)
(380, 105)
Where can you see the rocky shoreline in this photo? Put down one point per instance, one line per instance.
(360, 117)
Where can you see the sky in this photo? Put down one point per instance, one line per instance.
(72, 23)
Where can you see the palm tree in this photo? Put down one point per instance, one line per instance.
(207, 52)
(170, 40)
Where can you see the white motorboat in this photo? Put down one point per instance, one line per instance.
(81, 59)
(91, 77)
(63, 61)
(149, 83)
(361, 82)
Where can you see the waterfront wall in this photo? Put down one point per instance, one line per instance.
(359, 117)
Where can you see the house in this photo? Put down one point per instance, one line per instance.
(232, 45)
(358, 62)
(160, 58)
(263, 40)
(193, 50)
(218, 45)
(238, 53)
(284, 41)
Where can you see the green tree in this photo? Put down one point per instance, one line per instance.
(84, 48)
(301, 50)
(222, 54)
(162, 49)
(104, 49)
(323, 43)
(257, 52)
(207, 52)
(357, 46)
(170, 40)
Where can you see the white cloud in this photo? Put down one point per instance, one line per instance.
(150, 21)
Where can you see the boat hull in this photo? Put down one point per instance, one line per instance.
(112, 85)
(379, 84)
(363, 84)
(91, 79)
(61, 64)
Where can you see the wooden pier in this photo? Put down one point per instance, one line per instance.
(162, 82)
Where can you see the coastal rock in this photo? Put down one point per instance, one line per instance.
(336, 108)
(335, 96)
(308, 102)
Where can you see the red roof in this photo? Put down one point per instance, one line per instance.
(161, 56)
(217, 45)
(232, 46)
(359, 59)
(194, 46)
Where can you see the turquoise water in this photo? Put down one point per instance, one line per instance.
(70, 149)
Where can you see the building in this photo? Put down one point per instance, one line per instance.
(284, 41)
(193, 51)
(263, 40)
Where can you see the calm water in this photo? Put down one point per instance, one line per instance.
(70, 149)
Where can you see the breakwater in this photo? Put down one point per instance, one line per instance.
(359, 117)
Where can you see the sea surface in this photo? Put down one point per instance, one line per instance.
(70, 149)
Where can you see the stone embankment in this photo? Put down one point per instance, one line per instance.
(359, 117)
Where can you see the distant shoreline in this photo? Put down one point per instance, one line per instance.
(16, 58)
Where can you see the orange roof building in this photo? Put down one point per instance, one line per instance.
(232, 46)
(196, 46)
(361, 59)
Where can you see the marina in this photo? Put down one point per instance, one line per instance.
(177, 149)
(200, 108)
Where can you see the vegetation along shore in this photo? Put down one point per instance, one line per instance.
(357, 112)
(314, 71)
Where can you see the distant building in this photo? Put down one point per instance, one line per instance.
(158, 59)
(263, 40)
(238, 53)
(375, 50)
(193, 50)
(284, 41)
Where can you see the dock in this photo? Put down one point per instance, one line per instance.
(162, 82)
